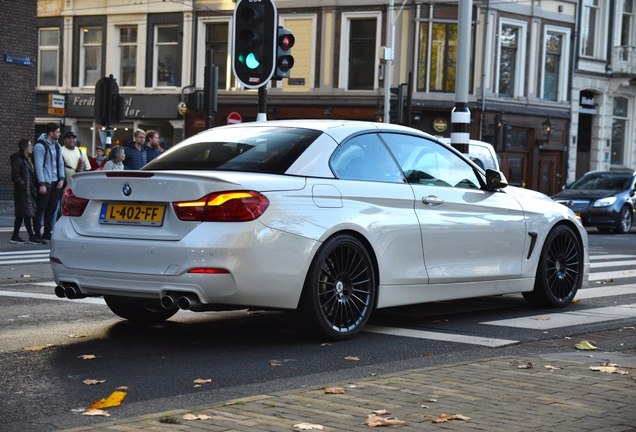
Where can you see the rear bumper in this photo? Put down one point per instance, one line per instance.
(266, 267)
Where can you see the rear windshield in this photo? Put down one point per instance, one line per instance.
(255, 149)
(602, 181)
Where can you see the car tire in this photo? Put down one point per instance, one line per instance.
(560, 270)
(339, 292)
(624, 224)
(147, 313)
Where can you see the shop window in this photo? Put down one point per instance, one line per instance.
(128, 56)
(437, 51)
(555, 66)
(216, 37)
(48, 56)
(91, 55)
(511, 59)
(619, 130)
(359, 51)
(166, 45)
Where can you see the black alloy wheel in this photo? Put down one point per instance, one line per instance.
(144, 313)
(339, 291)
(560, 270)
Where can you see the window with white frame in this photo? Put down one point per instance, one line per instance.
(512, 42)
(555, 65)
(359, 51)
(627, 25)
(128, 56)
(91, 55)
(165, 55)
(216, 38)
(48, 56)
(590, 28)
(620, 122)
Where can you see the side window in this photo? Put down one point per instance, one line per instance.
(365, 157)
(428, 163)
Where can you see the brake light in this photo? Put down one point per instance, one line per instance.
(205, 270)
(73, 205)
(233, 206)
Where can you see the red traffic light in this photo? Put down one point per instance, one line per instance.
(286, 42)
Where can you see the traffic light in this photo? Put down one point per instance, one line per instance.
(254, 41)
(284, 60)
(109, 104)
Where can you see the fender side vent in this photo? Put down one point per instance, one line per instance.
(533, 242)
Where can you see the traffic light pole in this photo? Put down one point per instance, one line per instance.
(262, 104)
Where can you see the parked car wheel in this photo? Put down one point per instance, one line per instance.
(625, 221)
(560, 270)
(340, 290)
(146, 314)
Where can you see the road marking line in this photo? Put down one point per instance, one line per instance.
(612, 264)
(567, 319)
(39, 296)
(29, 252)
(619, 274)
(446, 337)
(606, 291)
(608, 257)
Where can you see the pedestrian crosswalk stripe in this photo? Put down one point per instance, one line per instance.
(619, 274)
(446, 337)
(608, 257)
(612, 264)
(567, 319)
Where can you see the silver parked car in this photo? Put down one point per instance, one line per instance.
(325, 219)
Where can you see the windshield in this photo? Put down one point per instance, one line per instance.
(254, 149)
(602, 181)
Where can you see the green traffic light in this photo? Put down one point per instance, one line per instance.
(251, 61)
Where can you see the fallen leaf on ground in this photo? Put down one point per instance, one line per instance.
(36, 348)
(324, 344)
(585, 345)
(609, 369)
(334, 390)
(374, 420)
(95, 412)
(382, 412)
(445, 417)
(26, 276)
(275, 364)
(196, 417)
(629, 328)
(202, 381)
(77, 335)
(352, 358)
(87, 356)
(307, 426)
(426, 355)
(113, 400)
(576, 301)
(122, 388)
(169, 420)
(528, 365)
(92, 381)
(552, 367)
(541, 318)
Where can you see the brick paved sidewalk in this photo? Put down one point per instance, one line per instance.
(494, 393)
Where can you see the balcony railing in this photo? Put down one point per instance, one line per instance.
(624, 60)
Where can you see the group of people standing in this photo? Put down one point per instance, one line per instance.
(40, 173)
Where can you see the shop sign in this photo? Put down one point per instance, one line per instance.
(440, 125)
(56, 104)
(135, 107)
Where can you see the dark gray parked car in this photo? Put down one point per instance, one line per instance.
(603, 199)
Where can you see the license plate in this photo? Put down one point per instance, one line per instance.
(132, 214)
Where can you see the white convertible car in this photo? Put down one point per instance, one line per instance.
(328, 220)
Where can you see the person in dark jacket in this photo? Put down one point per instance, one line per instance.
(136, 155)
(24, 191)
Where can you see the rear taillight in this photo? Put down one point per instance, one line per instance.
(72, 205)
(234, 206)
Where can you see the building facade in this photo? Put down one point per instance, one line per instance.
(533, 80)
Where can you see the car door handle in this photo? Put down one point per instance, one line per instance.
(432, 200)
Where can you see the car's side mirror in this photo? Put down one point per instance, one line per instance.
(495, 179)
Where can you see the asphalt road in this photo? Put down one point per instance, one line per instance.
(245, 353)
